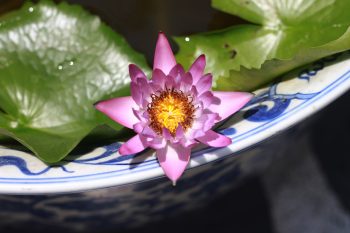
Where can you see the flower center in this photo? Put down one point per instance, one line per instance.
(170, 109)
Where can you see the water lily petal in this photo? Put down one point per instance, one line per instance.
(230, 102)
(171, 83)
(173, 159)
(158, 77)
(208, 98)
(186, 82)
(214, 139)
(156, 143)
(136, 94)
(179, 133)
(177, 70)
(195, 133)
(135, 73)
(120, 110)
(207, 117)
(188, 142)
(210, 120)
(138, 127)
(197, 68)
(163, 57)
(132, 146)
(194, 93)
(146, 90)
(166, 134)
(138, 114)
(204, 84)
(148, 132)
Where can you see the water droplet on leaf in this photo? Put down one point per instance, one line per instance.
(13, 124)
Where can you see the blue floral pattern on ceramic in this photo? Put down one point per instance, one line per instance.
(21, 164)
(281, 101)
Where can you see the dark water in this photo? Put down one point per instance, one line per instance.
(140, 20)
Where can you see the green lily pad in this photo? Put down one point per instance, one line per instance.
(250, 79)
(56, 62)
(282, 31)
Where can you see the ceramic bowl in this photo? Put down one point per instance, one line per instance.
(101, 189)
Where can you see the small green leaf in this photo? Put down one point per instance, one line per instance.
(283, 30)
(56, 62)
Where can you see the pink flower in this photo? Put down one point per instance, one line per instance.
(174, 111)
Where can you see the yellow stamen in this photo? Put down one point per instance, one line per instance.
(170, 109)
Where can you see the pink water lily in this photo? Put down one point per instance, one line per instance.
(173, 111)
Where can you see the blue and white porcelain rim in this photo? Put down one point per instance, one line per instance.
(151, 169)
